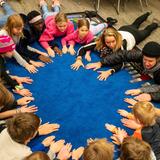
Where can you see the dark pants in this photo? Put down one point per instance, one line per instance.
(139, 35)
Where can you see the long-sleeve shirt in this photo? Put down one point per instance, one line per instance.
(4, 75)
(74, 38)
(51, 31)
(12, 150)
(16, 55)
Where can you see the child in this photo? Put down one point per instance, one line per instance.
(149, 125)
(20, 130)
(7, 48)
(55, 8)
(99, 150)
(8, 104)
(38, 156)
(55, 27)
(13, 28)
(135, 149)
(82, 36)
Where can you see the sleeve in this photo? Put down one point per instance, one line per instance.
(69, 38)
(156, 76)
(155, 96)
(19, 59)
(51, 154)
(150, 88)
(122, 56)
(117, 67)
(82, 50)
(5, 75)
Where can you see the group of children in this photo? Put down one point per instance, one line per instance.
(19, 31)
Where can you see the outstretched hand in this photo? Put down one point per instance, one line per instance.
(94, 66)
(77, 153)
(48, 128)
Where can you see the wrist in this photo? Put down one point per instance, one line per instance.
(79, 58)
(18, 110)
(19, 87)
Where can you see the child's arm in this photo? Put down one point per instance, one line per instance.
(37, 51)
(68, 39)
(126, 114)
(23, 63)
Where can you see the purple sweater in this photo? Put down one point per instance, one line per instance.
(52, 31)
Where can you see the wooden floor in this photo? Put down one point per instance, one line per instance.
(106, 9)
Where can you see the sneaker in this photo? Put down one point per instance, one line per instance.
(111, 21)
(157, 21)
(2, 2)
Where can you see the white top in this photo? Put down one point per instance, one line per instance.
(11, 150)
(131, 42)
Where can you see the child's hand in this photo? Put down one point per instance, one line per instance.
(47, 141)
(77, 64)
(111, 128)
(30, 109)
(71, 50)
(23, 92)
(130, 101)
(133, 92)
(104, 75)
(43, 53)
(143, 97)
(64, 49)
(31, 68)
(88, 57)
(24, 101)
(65, 153)
(115, 140)
(21, 80)
(37, 64)
(94, 66)
(123, 113)
(77, 153)
(57, 50)
(130, 123)
(48, 128)
(57, 146)
(45, 59)
(50, 52)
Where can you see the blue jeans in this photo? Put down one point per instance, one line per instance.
(46, 12)
(8, 11)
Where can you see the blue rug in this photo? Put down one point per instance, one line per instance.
(76, 100)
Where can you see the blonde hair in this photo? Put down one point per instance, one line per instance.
(6, 97)
(14, 21)
(61, 17)
(100, 42)
(99, 150)
(145, 113)
(83, 22)
(135, 149)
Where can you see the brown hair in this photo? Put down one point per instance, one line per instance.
(13, 21)
(61, 17)
(99, 150)
(100, 42)
(23, 126)
(38, 156)
(145, 113)
(6, 97)
(135, 149)
(83, 22)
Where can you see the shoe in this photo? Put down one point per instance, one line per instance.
(90, 14)
(111, 21)
(2, 2)
(157, 21)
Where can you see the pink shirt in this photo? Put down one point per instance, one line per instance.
(74, 38)
(51, 31)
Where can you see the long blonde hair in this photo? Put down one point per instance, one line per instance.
(100, 42)
(13, 21)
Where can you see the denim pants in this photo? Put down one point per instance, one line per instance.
(8, 11)
(46, 12)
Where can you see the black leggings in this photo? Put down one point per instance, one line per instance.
(139, 35)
